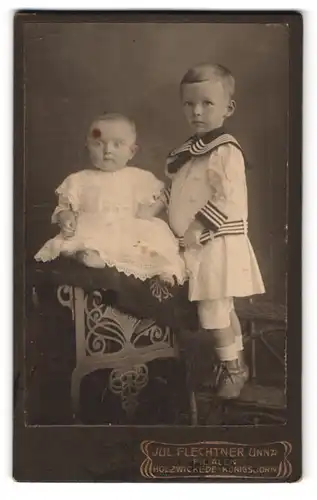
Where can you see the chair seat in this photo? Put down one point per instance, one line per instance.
(261, 310)
(263, 396)
(168, 306)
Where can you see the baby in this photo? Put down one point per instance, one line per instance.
(98, 210)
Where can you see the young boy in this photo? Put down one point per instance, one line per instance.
(208, 211)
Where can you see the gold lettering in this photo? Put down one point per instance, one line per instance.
(260, 452)
(216, 461)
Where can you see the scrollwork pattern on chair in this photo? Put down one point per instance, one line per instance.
(157, 334)
(148, 332)
(65, 297)
(110, 331)
(128, 383)
(159, 290)
(107, 338)
(104, 334)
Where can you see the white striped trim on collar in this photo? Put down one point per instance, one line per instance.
(184, 147)
(198, 147)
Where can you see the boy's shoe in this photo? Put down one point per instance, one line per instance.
(231, 381)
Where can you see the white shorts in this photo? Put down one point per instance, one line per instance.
(215, 314)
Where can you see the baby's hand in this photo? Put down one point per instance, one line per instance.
(192, 234)
(67, 222)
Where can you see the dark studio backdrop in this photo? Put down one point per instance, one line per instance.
(74, 72)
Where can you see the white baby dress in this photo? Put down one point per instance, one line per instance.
(106, 205)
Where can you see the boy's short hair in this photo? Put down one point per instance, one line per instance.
(207, 71)
(114, 117)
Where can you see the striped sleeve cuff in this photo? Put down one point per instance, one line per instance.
(211, 216)
(205, 236)
(165, 196)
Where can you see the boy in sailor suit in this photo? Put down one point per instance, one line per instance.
(208, 211)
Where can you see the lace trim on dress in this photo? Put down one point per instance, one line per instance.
(128, 268)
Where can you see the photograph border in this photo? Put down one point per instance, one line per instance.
(114, 453)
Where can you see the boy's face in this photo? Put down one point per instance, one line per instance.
(111, 144)
(206, 105)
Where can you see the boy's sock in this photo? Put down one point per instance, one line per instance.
(241, 357)
(227, 353)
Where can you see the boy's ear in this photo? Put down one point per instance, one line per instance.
(231, 108)
(134, 150)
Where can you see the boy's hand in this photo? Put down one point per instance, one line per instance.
(193, 233)
(67, 223)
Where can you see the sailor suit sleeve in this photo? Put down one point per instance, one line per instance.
(224, 166)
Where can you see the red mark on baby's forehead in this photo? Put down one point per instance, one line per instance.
(96, 132)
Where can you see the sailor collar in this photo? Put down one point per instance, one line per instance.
(198, 146)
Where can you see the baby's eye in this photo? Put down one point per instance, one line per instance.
(187, 103)
(208, 103)
(117, 144)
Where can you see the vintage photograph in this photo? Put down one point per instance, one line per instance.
(156, 158)
(157, 280)
(157, 242)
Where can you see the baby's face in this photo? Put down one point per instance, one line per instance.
(111, 144)
(206, 105)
